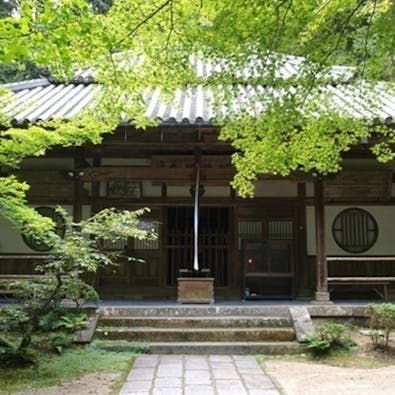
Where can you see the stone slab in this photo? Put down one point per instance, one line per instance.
(302, 322)
(221, 375)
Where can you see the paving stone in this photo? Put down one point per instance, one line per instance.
(169, 371)
(264, 392)
(192, 362)
(220, 358)
(135, 386)
(222, 365)
(257, 370)
(141, 374)
(171, 359)
(198, 390)
(225, 373)
(167, 391)
(197, 377)
(247, 363)
(257, 381)
(134, 393)
(146, 361)
(167, 382)
(226, 387)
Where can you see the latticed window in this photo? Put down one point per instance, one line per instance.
(280, 229)
(355, 230)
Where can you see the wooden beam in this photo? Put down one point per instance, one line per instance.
(174, 174)
(159, 174)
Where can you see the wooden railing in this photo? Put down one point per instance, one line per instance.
(362, 270)
(18, 267)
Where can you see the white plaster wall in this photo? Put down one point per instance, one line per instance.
(11, 241)
(150, 190)
(178, 191)
(309, 189)
(274, 188)
(384, 215)
(86, 212)
(216, 191)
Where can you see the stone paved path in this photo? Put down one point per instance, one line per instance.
(197, 375)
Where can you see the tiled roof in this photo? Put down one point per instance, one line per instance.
(41, 99)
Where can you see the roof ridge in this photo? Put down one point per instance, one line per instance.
(27, 84)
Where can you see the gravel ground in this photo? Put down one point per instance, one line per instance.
(300, 378)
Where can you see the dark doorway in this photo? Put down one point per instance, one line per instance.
(267, 255)
(214, 242)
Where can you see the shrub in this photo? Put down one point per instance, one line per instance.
(78, 253)
(381, 322)
(72, 322)
(329, 336)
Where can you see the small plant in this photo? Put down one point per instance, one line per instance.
(329, 336)
(60, 341)
(77, 255)
(72, 322)
(381, 322)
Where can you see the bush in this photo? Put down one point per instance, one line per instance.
(39, 310)
(329, 336)
(381, 322)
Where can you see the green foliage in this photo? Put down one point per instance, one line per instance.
(72, 322)
(11, 357)
(60, 341)
(71, 364)
(49, 321)
(295, 141)
(329, 336)
(133, 46)
(382, 322)
(78, 290)
(18, 72)
(76, 254)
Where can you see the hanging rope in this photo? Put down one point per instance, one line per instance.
(196, 218)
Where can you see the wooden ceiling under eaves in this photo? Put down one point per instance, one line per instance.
(359, 185)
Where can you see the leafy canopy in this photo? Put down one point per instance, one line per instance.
(132, 46)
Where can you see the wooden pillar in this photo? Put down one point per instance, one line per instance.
(321, 294)
(301, 268)
(96, 185)
(77, 188)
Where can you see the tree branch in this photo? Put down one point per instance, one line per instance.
(171, 28)
(366, 42)
(145, 20)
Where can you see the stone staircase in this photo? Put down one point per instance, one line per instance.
(201, 329)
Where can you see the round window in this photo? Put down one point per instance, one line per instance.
(59, 229)
(355, 230)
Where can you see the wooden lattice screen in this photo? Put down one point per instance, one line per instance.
(214, 242)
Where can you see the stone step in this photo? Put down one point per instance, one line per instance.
(195, 334)
(268, 348)
(196, 322)
(194, 311)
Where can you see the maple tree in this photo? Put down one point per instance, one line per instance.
(133, 46)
